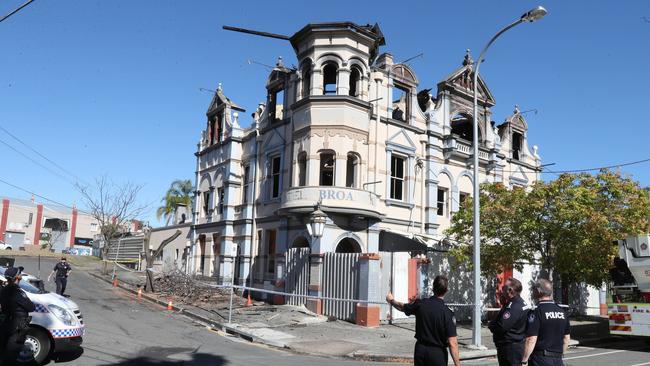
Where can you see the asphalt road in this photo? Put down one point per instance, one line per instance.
(119, 331)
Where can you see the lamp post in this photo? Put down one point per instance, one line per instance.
(530, 16)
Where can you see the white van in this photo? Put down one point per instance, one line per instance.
(57, 324)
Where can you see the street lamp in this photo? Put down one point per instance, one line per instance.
(531, 16)
(316, 224)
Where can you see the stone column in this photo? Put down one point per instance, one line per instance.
(343, 82)
(340, 170)
(315, 282)
(281, 245)
(316, 82)
(369, 288)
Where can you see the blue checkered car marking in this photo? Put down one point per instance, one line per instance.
(40, 308)
(67, 333)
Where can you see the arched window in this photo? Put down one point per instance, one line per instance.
(302, 169)
(327, 161)
(355, 81)
(300, 242)
(348, 245)
(351, 170)
(330, 72)
(306, 78)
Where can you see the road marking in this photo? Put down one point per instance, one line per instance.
(641, 364)
(594, 355)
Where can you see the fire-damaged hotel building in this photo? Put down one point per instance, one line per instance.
(347, 174)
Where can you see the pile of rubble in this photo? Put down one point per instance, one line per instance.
(189, 289)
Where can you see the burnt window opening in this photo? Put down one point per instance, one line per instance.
(212, 124)
(517, 138)
(221, 193)
(327, 169)
(462, 197)
(401, 103)
(275, 177)
(424, 98)
(355, 81)
(219, 130)
(351, 171)
(442, 202)
(306, 79)
(397, 177)
(276, 105)
(206, 204)
(461, 126)
(302, 169)
(330, 72)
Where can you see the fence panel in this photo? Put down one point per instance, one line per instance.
(297, 279)
(341, 280)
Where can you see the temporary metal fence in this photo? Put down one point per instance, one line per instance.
(297, 279)
(340, 280)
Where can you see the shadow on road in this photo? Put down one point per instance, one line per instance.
(194, 359)
(67, 356)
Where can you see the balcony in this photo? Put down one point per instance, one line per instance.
(342, 200)
(457, 146)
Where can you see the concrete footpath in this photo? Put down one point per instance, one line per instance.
(297, 329)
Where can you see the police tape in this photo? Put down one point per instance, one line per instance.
(326, 298)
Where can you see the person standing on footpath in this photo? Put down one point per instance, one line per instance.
(61, 272)
(509, 327)
(547, 333)
(435, 326)
(15, 308)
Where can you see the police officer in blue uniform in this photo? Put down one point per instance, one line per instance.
(509, 327)
(547, 332)
(435, 326)
(15, 307)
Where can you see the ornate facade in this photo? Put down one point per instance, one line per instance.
(349, 132)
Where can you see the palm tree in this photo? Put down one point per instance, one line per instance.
(179, 193)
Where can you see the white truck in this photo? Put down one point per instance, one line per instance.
(57, 324)
(628, 305)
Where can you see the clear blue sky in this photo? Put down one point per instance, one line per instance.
(112, 87)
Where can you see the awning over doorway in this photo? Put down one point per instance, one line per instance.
(56, 224)
(393, 242)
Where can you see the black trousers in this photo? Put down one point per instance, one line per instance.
(61, 283)
(538, 359)
(510, 354)
(429, 356)
(13, 335)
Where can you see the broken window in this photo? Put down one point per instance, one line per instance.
(330, 72)
(270, 252)
(219, 126)
(461, 126)
(517, 138)
(442, 199)
(221, 193)
(327, 169)
(401, 103)
(351, 170)
(206, 204)
(275, 177)
(355, 81)
(246, 184)
(212, 124)
(462, 197)
(397, 177)
(302, 169)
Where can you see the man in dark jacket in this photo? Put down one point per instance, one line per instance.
(435, 326)
(509, 327)
(15, 308)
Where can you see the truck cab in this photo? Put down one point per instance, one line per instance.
(628, 303)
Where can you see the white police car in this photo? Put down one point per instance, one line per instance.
(57, 324)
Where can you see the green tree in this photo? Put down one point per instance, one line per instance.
(179, 193)
(566, 226)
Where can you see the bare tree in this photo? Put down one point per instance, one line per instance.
(114, 206)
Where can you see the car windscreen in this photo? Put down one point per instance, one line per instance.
(28, 287)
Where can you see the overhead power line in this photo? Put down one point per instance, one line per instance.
(41, 155)
(38, 195)
(37, 162)
(15, 11)
(598, 168)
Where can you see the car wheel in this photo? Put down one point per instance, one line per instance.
(36, 348)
